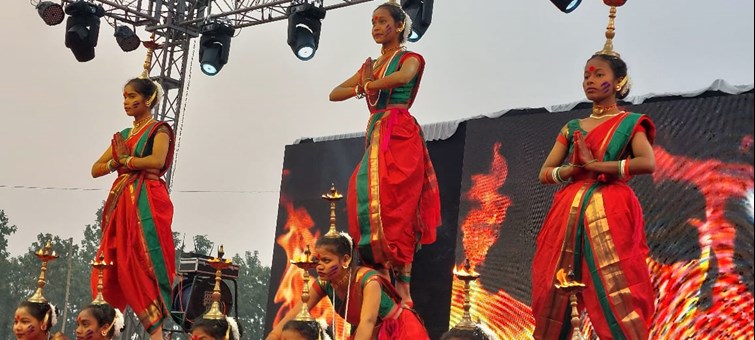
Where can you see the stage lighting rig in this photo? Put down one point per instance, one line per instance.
(50, 12)
(214, 46)
(304, 24)
(421, 13)
(126, 38)
(83, 28)
(566, 6)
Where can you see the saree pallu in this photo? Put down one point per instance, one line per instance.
(393, 199)
(595, 227)
(407, 326)
(137, 237)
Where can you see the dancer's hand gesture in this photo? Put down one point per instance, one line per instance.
(582, 154)
(120, 150)
(366, 72)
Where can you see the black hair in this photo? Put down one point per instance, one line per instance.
(38, 311)
(215, 328)
(310, 330)
(104, 314)
(338, 245)
(144, 87)
(619, 68)
(398, 16)
(465, 334)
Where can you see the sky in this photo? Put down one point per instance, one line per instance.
(57, 115)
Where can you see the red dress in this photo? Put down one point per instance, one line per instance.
(394, 321)
(596, 228)
(137, 237)
(393, 201)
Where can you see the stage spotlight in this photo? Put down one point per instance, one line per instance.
(421, 13)
(126, 38)
(566, 6)
(83, 28)
(50, 12)
(304, 24)
(214, 46)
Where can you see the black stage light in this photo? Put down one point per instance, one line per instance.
(421, 13)
(304, 24)
(83, 28)
(50, 12)
(126, 38)
(566, 6)
(214, 46)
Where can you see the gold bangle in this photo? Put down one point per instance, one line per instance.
(365, 86)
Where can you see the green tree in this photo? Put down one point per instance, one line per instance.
(25, 270)
(203, 245)
(253, 281)
(80, 291)
(7, 300)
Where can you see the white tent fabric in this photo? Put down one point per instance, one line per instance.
(444, 130)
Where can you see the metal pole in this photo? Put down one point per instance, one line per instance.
(68, 285)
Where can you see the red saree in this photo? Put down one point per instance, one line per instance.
(596, 227)
(393, 201)
(137, 237)
(394, 321)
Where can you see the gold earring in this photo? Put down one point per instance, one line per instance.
(104, 334)
(618, 87)
(149, 103)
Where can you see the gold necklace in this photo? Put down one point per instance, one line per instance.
(386, 51)
(377, 99)
(604, 116)
(598, 111)
(343, 281)
(380, 61)
(139, 125)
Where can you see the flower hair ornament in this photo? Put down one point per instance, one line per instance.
(233, 329)
(53, 313)
(348, 238)
(486, 330)
(407, 27)
(118, 324)
(624, 85)
(323, 326)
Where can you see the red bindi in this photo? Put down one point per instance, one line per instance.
(592, 68)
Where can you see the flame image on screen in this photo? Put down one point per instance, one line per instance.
(682, 286)
(298, 226)
(498, 311)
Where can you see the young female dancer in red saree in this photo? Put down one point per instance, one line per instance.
(34, 320)
(136, 232)
(359, 294)
(392, 200)
(595, 226)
